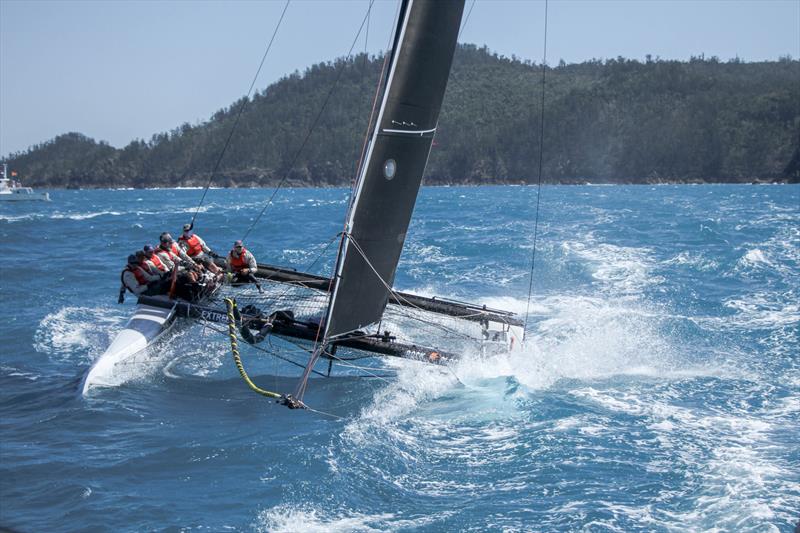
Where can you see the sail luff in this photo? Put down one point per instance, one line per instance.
(392, 172)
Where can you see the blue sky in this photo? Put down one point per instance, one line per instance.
(119, 70)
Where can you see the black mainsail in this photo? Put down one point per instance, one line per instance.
(387, 187)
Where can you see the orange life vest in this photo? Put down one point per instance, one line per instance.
(138, 273)
(171, 251)
(239, 263)
(194, 247)
(149, 268)
(157, 262)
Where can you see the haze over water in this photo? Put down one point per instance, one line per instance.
(660, 389)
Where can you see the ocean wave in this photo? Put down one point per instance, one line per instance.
(754, 257)
(621, 269)
(570, 337)
(11, 371)
(19, 218)
(288, 518)
(759, 310)
(85, 216)
(697, 260)
(60, 216)
(602, 353)
(734, 481)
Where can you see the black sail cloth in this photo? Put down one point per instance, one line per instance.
(390, 180)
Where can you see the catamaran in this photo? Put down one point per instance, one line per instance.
(356, 313)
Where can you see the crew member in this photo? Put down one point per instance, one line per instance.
(169, 244)
(148, 266)
(167, 257)
(193, 244)
(138, 280)
(163, 264)
(242, 264)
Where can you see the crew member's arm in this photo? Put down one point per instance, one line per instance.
(150, 276)
(251, 263)
(165, 258)
(203, 244)
(185, 258)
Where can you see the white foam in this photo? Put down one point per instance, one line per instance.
(754, 258)
(84, 216)
(15, 372)
(735, 480)
(17, 218)
(760, 310)
(621, 269)
(81, 331)
(693, 259)
(286, 518)
(575, 337)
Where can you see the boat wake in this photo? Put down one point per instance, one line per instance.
(595, 371)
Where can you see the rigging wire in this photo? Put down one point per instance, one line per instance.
(311, 129)
(242, 107)
(366, 39)
(398, 298)
(466, 19)
(539, 181)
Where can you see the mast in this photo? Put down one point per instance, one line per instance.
(387, 187)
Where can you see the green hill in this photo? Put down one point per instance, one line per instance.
(608, 121)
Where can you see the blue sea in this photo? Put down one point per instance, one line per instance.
(659, 389)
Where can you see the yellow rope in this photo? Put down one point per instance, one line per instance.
(231, 305)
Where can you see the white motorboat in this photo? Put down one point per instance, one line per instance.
(13, 191)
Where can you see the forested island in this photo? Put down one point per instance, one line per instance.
(611, 121)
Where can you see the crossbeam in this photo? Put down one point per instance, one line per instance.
(462, 310)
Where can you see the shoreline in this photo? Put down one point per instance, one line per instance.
(432, 185)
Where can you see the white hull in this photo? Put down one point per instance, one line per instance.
(144, 327)
(25, 197)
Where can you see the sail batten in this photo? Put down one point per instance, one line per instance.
(390, 178)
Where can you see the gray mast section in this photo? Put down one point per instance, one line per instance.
(390, 178)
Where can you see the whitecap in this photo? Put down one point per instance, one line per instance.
(84, 216)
